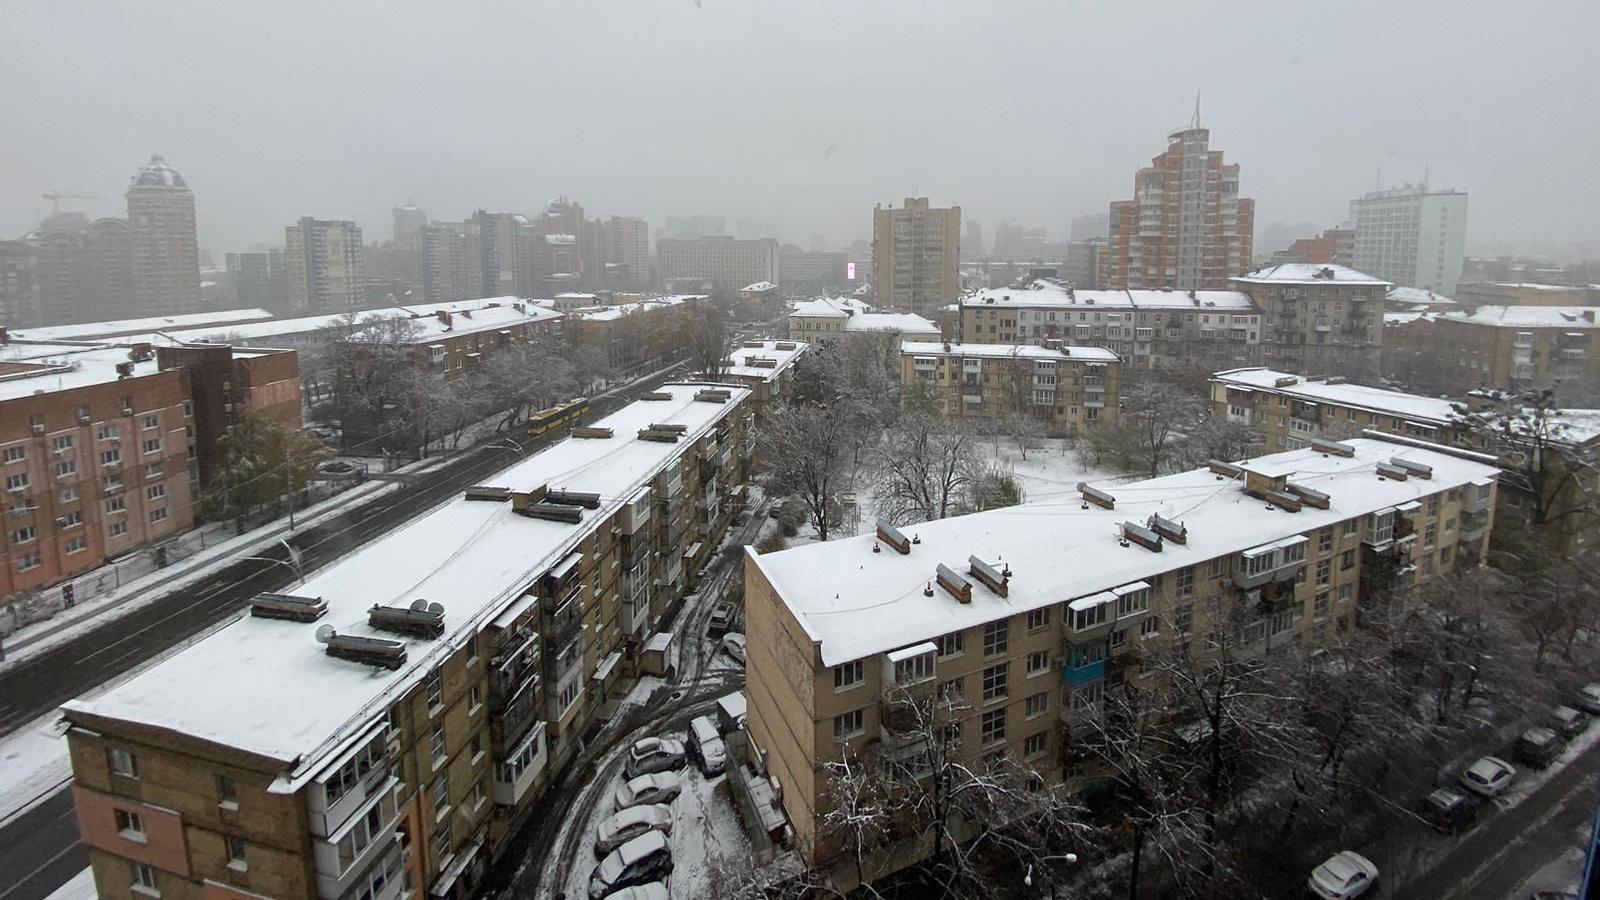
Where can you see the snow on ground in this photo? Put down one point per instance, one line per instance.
(708, 841)
(33, 763)
(1051, 470)
(79, 887)
(1530, 779)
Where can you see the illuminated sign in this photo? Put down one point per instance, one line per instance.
(850, 271)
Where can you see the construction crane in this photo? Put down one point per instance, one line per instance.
(55, 200)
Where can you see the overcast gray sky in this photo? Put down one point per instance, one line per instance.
(798, 113)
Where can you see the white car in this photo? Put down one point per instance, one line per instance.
(624, 826)
(659, 787)
(1488, 776)
(1588, 698)
(642, 860)
(1346, 874)
(733, 644)
(653, 754)
(706, 746)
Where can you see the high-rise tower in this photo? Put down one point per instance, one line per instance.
(165, 251)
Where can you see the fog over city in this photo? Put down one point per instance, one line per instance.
(799, 115)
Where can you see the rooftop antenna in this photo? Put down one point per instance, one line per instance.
(1195, 123)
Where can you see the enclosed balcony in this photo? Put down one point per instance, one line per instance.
(908, 680)
(1278, 561)
(1477, 496)
(1473, 525)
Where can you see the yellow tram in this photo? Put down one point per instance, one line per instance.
(562, 414)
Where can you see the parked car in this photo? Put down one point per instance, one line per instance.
(733, 644)
(655, 890)
(622, 827)
(653, 754)
(1450, 811)
(731, 712)
(706, 746)
(1538, 747)
(1346, 874)
(1588, 699)
(721, 619)
(1568, 721)
(658, 787)
(644, 859)
(1488, 776)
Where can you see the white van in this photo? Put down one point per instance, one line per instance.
(706, 746)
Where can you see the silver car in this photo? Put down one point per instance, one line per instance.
(1488, 776)
(661, 787)
(622, 827)
(653, 754)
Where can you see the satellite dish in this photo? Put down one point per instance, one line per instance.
(435, 608)
(419, 605)
(325, 634)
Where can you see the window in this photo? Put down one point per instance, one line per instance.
(1132, 601)
(1319, 605)
(157, 515)
(30, 561)
(17, 482)
(472, 650)
(110, 457)
(1349, 527)
(1324, 571)
(155, 492)
(1036, 705)
(441, 794)
(994, 682)
(235, 851)
(479, 795)
(23, 535)
(848, 725)
(153, 445)
(1183, 618)
(849, 675)
(143, 879)
(437, 744)
(1429, 534)
(1347, 560)
(474, 699)
(1088, 694)
(66, 467)
(435, 692)
(1345, 590)
(1038, 662)
(1034, 744)
(1038, 619)
(152, 420)
(1218, 566)
(1119, 637)
(952, 644)
(996, 637)
(477, 747)
(117, 505)
(227, 792)
(130, 824)
(77, 544)
(1150, 627)
(993, 727)
(1325, 540)
(106, 433)
(362, 834)
(69, 493)
(916, 669)
(16, 453)
(1089, 617)
(118, 529)
(123, 763)
(441, 838)
(153, 470)
(1185, 581)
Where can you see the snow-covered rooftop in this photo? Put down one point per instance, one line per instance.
(1406, 318)
(829, 307)
(265, 686)
(905, 323)
(781, 355)
(119, 327)
(1428, 410)
(68, 369)
(612, 313)
(1053, 294)
(1533, 316)
(760, 286)
(1308, 273)
(1030, 351)
(431, 328)
(1410, 296)
(856, 603)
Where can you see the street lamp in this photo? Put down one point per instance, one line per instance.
(1068, 858)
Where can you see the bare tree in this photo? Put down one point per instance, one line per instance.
(707, 340)
(924, 468)
(809, 452)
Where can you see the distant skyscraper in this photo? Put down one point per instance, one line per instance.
(628, 244)
(733, 264)
(692, 227)
(408, 221)
(1411, 236)
(166, 254)
(1089, 228)
(1186, 227)
(444, 262)
(493, 251)
(253, 276)
(327, 268)
(972, 241)
(915, 251)
(17, 299)
(107, 277)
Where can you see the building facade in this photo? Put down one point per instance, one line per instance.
(1186, 227)
(1473, 294)
(164, 247)
(627, 245)
(916, 254)
(1150, 330)
(326, 264)
(1512, 348)
(19, 302)
(765, 369)
(1319, 318)
(981, 609)
(1335, 245)
(1290, 411)
(730, 263)
(813, 271)
(1411, 236)
(639, 333)
(1068, 389)
(393, 758)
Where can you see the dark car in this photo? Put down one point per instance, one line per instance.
(1450, 811)
(1568, 721)
(1538, 747)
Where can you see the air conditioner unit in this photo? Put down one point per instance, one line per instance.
(38, 428)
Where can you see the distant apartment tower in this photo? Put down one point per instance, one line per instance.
(915, 251)
(728, 262)
(1081, 267)
(326, 266)
(1335, 245)
(253, 278)
(408, 223)
(164, 248)
(627, 250)
(1088, 228)
(1411, 236)
(972, 241)
(443, 263)
(1186, 227)
(1321, 319)
(494, 253)
(17, 298)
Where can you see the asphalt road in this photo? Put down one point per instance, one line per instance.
(46, 681)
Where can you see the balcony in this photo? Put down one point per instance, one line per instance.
(1473, 526)
(1278, 561)
(1477, 497)
(344, 855)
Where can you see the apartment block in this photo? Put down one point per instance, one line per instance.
(162, 245)
(812, 270)
(637, 333)
(916, 254)
(765, 369)
(1335, 245)
(1166, 330)
(385, 730)
(721, 259)
(824, 319)
(1411, 236)
(1290, 411)
(1026, 619)
(1186, 227)
(1514, 348)
(1321, 318)
(326, 265)
(455, 338)
(1068, 389)
(1472, 294)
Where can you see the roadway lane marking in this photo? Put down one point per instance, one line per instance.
(42, 866)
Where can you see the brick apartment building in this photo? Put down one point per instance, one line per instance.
(765, 369)
(1068, 389)
(454, 338)
(1290, 411)
(636, 334)
(1510, 348)
(1318, 318)
(392, 755)
(844, 635)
